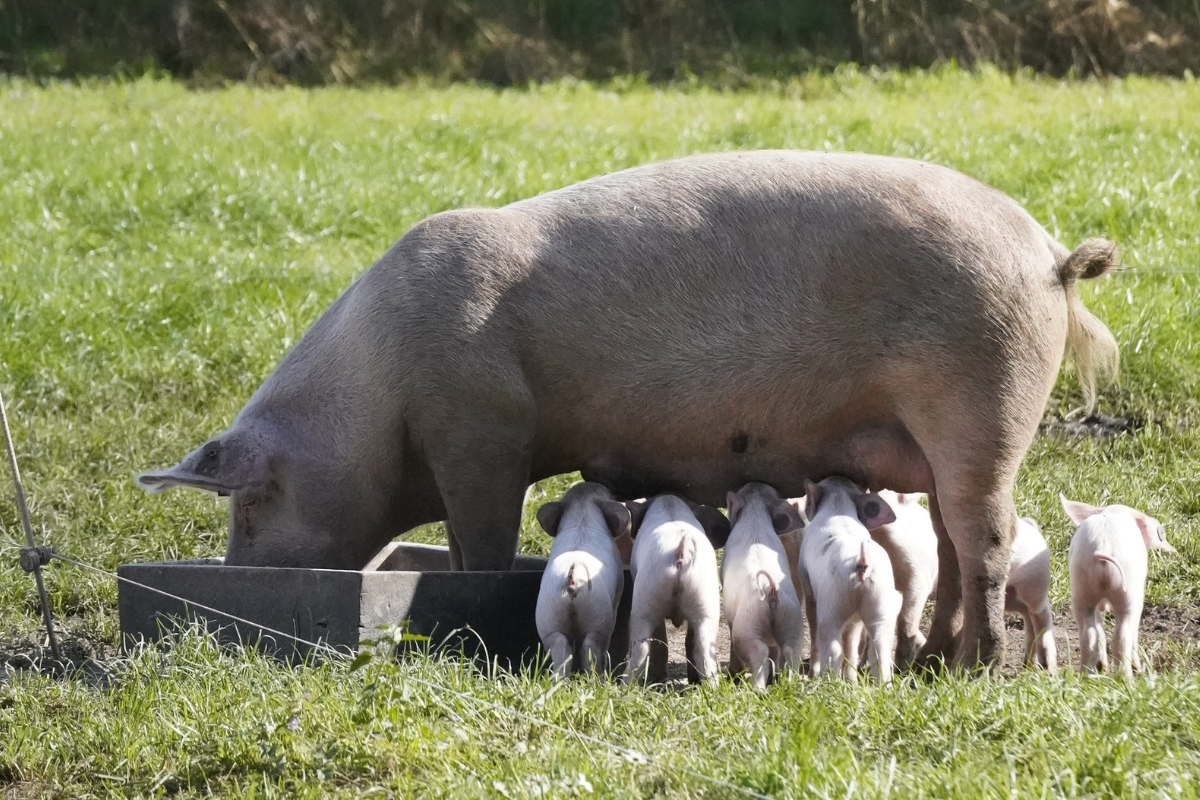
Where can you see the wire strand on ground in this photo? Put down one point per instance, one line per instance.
(627, 753)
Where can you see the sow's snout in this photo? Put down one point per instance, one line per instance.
(229, 463)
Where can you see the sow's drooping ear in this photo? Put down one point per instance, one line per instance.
(231, 462)
(1076, 511)
(873, 510)
(616, 517)
(785, 518)
(549, 516)
(715, 524)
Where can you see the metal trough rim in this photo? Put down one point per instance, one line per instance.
(532, 563)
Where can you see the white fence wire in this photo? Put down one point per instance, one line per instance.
(628, 754)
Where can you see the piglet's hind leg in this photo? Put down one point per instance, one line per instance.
(1125, 631)
(559, 648)
(704, 652)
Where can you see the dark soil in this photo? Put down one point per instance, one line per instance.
(1100, 426)
(83, 657)
(1168, 638)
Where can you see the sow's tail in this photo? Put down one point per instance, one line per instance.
(1092, 346)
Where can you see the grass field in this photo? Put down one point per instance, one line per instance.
(162, 249)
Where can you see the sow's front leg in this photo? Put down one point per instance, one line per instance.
(483, 507)
(480, 457)
(456, 562)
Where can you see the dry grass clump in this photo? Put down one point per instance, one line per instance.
(513, 42)
(1084, 37)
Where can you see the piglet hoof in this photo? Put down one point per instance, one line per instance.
(907, 651)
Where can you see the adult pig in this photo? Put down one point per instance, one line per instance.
(686, 327)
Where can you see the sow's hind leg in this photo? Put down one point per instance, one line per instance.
(974, 449)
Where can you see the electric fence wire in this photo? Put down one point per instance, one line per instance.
(629, 754)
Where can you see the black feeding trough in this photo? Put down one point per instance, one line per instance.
(481, 614)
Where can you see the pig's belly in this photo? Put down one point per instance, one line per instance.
(702, 462)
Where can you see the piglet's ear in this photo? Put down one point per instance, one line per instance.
(233, 461)
(637, 512)
(715, 524)
(1076, 511)
(812, 495)
(549, 516)
(733, 506)
(625, 548)
(873, 510)
(785, 518)
(1153, 533)
(616, 517)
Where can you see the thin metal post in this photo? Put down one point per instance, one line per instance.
(24, 510)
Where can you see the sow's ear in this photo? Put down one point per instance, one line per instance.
(229, 463)
(873, 510)
(715, 524)
(1076, 511)
(785, 517)
(616, 517)
(549, 516)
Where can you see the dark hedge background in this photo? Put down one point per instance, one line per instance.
(515, 41)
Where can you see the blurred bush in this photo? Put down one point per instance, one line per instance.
(514, 41)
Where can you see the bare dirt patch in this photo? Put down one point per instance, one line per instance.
(83, 656)
(1169, 638)
(1100, 426)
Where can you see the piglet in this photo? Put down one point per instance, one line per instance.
(1108, 561)
(847, 579)
(761, 605)
(1028, 592)
(584, 578)
(791, 545)
(674, 568)
(911, 545)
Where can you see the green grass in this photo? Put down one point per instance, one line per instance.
(162, 249)
(201, 720)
